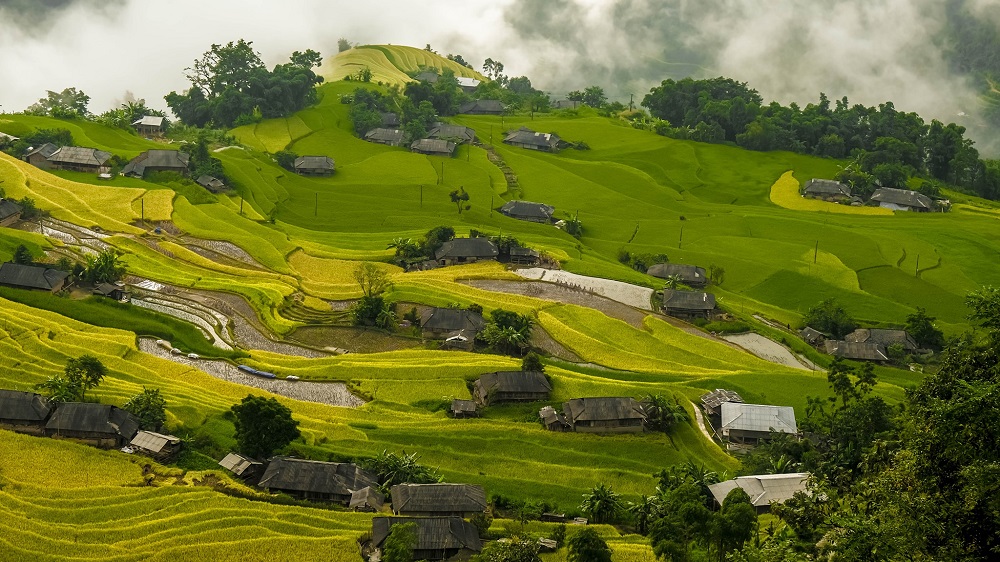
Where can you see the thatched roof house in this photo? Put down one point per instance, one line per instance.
(463, 408)
(314, 165)
(443, 321)
(688, 304)
(438, 538)
(81, 159)
(605, 415)
(482, 107)
(528, 211)
(35, 277)
(388, 137)
(157, 161)
(511, 386)
(243, 467)
(10, 212)
(883, 337)
(315, 480)
(526, 138)
(433, 147)
(157, 445)
(466, 250)
(826, 189)
(743, 423)
(455, 133)
(690, 275)
(442, 500)
(367, 499)
(24, 412)
(211, 183)
(763, 489)
(858, 351)
(101, 425)
(902, 200)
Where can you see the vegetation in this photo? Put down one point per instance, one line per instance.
(392, 469)
(149, 407)
(831, 318)
(587, 546)
(399, 545)
(263, 425)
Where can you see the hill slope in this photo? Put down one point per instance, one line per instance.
(390, 64)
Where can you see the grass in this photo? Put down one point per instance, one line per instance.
(389, 63)
(785, 193)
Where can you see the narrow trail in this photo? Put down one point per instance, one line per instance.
(700, 420)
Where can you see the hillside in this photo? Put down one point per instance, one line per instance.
(390, 64)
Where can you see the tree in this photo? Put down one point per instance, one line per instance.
(594, 97)
(459, 197)
(672, 282)
(644, 511)
(68, 103)
(716, 274)
(149, 407)
(435, 238)
(392, 469)
(105, 267)
(60, 389)
(372, 279)
(587, 546)
(602, 503)
(399, 544)
(263, 425)
(736, 522)
(22, 255)
(516, 549)
(86, 372)
(532, 362)
(830, 317)
(663, 413)
(343, 45)
(493, 69)
(286, 159)
(507, 332)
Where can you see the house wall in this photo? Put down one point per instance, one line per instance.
(39, 161)
(609, 426)
(896, 207)
(743, 436)
(685, 313)
(86, 168)
(10, 220)
(518, 397)
(531, 146)
(462, 514)
(99, 440)
(27, 428)
(148, 130)
(313, 172)
(176, 169)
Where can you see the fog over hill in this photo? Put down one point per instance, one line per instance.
(790, 50)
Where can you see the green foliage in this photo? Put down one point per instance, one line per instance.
(286, 159)
(374, 311)
(459, 198)
(736, 522)
(482, 521)
(507, 332)
(716, 274)
(602, 504)
(149, 407)
(263, 426)
(85, 372)
(372, 279)
(105, 267)
(399, 545)
(435, 238)
(60, 389)
(515, 549)
(663, 413)
(202, 163)
(127, 113)
(831, 318)
(586, 545)
(66, 104)
(391, 469)
(532, 362)
(22, 255)
(28, 209)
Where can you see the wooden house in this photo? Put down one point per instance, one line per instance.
(243, 467)
(520, 255)
(314, 165)
(10, 212)
(34, 277)
(531, 140)
(444, 321)
(511, 386)
(101, 425)
(388, 137)
(211, 183)
(433, 147)
(691, 275)
(157, 160)
(857, 351)
(315, 480)
(463, 409)
(883, 337)
(902, 200)
(482, 107)
(111, 291)
(81, 159)
(763, 489)
(528, 211)
(751, 423)
(149, 125)
(688, 304)
(466, 250)
(712, 403)
(565, 104)
(605, 415)
(367, 499)
(438, 500)
(161, 447)
(467, 84)
(827, 190)
(39, 156)
(454, 133)
(553, 420)
(438, 538)
(812, 336)
(24, 412)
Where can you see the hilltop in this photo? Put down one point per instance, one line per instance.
(390, 64)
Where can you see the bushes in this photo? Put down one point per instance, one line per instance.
(640, 262)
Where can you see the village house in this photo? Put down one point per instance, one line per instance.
(80, 159)
(468, 85)
(712, 403)
(211, 183)
(390, 120)
(101, 425)
(438, 538)
(438, 500)
(39, 156)
(444, 322)
(690, 275)
(160, 447)
(367, 500)
(481, 107)
(812, 336)
(827, 190)
(466, 250)
(157, 161)
(511, 386)
(388, 137)
(883, 337)
(315, 480)
(564, 104)
(10, 212)
(763, 489)
(526, 138)
(111, 291)
(520, 255)
(688, 304)
(433, 147)
(553, 420)
(902, 200)
(463, 409)
(149, 125)
(243, 467)
(455, 133)
(430, 76)
(857, 351)
(752, 423)
(314, 165)
(605, 415)
(528, 211)
(24, 412)
(34, 277)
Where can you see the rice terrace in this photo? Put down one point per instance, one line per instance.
(387, 305)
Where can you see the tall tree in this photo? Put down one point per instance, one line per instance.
(22, 255)
(86, 372)
(602, 504)
(586, 545)
(149, 407)
(263, 425)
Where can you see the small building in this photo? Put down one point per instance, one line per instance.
(856, 351)
(430, 76)
(524, 256)
(149, 125)
(101, 425)
(367, 499)
(827, 190)
(883, 337)
(511, 386)
(315, 480)
(443, 321)
(565, 104)
(314, 165)
(39, 156)
(812, 336)
(752, 423)
(24, 412)
(688, 304)
(157, 160)
(433, 147)
(161, 447)
(463, 409)
(466, 250)
(468, 85)
(763, 489)
(438, 500)
(605, 415)
(526, 138)
(111, 291)
(455, 133)
(482, 107)
(902, 200)
(243, 467)
(10, 212)
(691, 275)
(713, 401)
(34, 277)
(553, 420)
(438, 538)
(211, 183)
(390, 120)
(81, 159)
(388, 137)
(5, 138)
(528, 211)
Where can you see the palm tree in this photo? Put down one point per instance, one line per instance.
(645, 511)
(663, 413)
(672, 282)
(602, 504)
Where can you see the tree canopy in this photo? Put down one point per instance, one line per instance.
(263, 425)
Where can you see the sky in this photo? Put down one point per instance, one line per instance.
(790, 50)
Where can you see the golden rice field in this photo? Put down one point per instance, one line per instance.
(785, 193)
(389, 63)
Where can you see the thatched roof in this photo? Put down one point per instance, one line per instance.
(826, 188)
(23, 406)
(903, 198)
(90, 417)
(757, 417)
(762, 489)
(8, 208)
(80, 155)
(238, 464)
(367, 497)
(433, 533)
(883, 337)
(299, 475)
(688, 300)
(154, 442)
(603, 409)
(494, 107)
(532, 138)
(453, 320)
(31, 276)
(689, 274)
(433, 146)
(467, 248)
(387, 136)
(314, 163)
(513, 381)
(456, 133)
(527, 210)
(438, 498)
(159, 159)
(856, 350)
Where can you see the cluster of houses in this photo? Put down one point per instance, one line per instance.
(863, 344)
(32, 277)
(442, 140)
(99, 425)
(681, 303)
(885, 197)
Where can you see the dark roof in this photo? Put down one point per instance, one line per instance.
(452, 132)
(688, 273)
(46, 150)
(317, 477)
(516, 251)
(604, 408)
(811, 334)
(154, 442)
(855, 350)
(439, 498)
(211, 183)
(515, 381)
(433, 533)
(428, 76)
(688, 300)
(106, 289)
(481, 106)
(459, 406)
(529, 137)
(902, 197)
(389, 119)
(527, 209)
(314, 163)
(23, 406)
(31, 276)
(8, 208)
(433, 146)
(174, 159)
(881, 336)
(238, 464)
(817, 186)
(394, 136)
(367, 496)
(453, 320)
(80, 155)
(90, 417)
(718, 397)
(467, 248)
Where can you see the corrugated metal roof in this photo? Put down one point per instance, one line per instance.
(45, 150)
(466, 82)
(720, 396)
(438, 498)
(237, 463)
(757, 417)
(149, 121)
(314, 163)
(532, 138)
(154, 442)
(763, 489)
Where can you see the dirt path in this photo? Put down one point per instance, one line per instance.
(767, 349)
(700, 420)
(625, 293)
(564, 294)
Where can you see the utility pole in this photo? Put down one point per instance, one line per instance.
(491, 205)
(421, 196)
(816, 252)
(142, 209)
(680, 241)
(630, 105)
(241, 205)
(916, 270)
(316, 207)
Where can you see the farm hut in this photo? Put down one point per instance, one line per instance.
(314, 165)
(463, 340)
(390, 120)
(443, 321)
(315, 480)
(367, 499)
(553, 420)
(10, 212)
(713, 401)
(211, 183)
(428, 76)
(468, 85)
(751, 423)
(763, 489)
(80, 159)
(691, 275)
(161, 447)
(111, 291)
(605, 415)
(812, 336)
(688, 304)
(433, 147)
(39, 156)
(455, 133)
(24, 412)
(524, 256)
(528, 211)
(565, 104)
(438, 538)
(511, 386)
(858, 351)
(149, 125)
(828, 190)
(466, 250)
(438, 500)
(883, 337)
(101, 425)
(526, 138)
(243, 467)
(35, 277)
(902, 200)
(388, 137)
(157, 161)
(463, 409)
(5, 138)
(481, 107)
